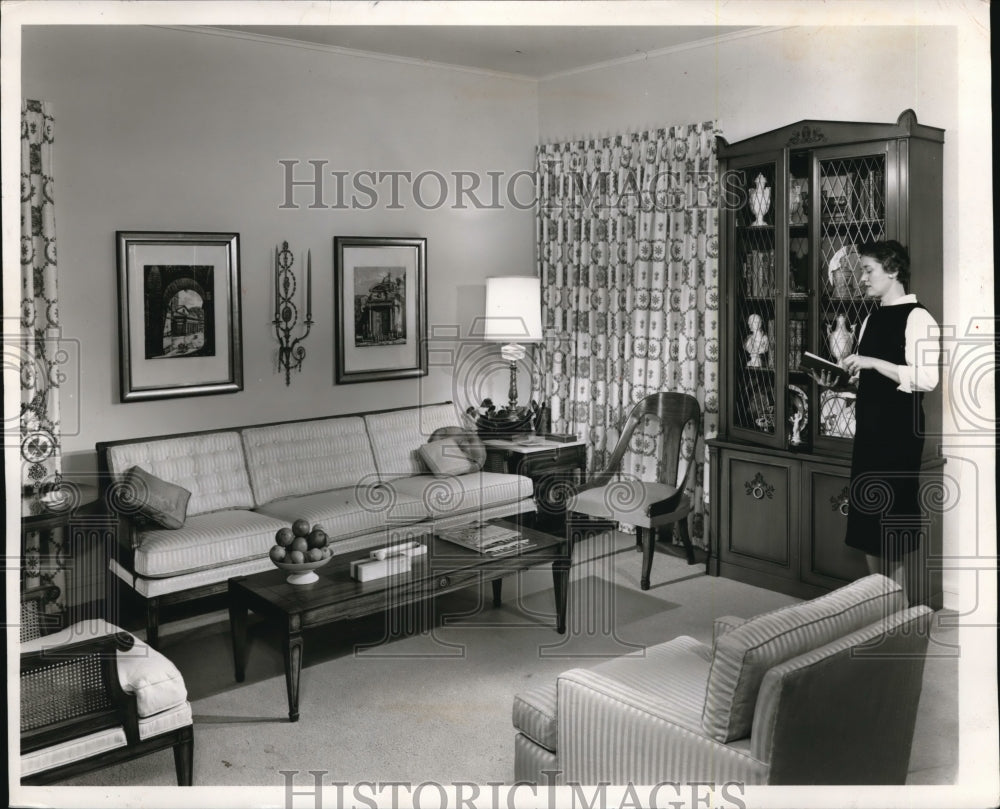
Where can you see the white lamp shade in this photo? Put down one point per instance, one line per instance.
(513, 309)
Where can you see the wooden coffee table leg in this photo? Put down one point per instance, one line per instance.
(293, 668)
(238, 630)
(497, 590)
(560, 584)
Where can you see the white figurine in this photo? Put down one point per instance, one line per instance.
(757, 343)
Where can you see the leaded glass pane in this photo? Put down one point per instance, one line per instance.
(852, 212)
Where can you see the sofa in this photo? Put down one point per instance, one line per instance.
(820, 692)
(365, 478)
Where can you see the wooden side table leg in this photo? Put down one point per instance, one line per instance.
(238, 630)
(293, 668)
(560, 585)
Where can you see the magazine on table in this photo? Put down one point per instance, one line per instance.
(486, 538)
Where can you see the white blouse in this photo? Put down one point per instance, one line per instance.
(923, 349)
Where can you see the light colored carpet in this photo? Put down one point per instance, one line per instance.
(428, 698)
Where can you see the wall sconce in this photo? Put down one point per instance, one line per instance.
(513, 317)
(291, 352)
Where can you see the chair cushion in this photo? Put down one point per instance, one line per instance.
(534, 714)
(445, 457)
(143, 671)
(744, 654)
(350, 512)
(205, 541)
(102, 741)
(673, 673)
(303, 457)
(211, 466)
(161, 502)
(626, 501)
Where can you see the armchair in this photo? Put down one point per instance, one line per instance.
(92, 696)
(649, 506)
(822, 692)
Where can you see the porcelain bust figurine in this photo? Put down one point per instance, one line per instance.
(757, 343)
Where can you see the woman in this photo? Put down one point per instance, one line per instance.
(891, 376)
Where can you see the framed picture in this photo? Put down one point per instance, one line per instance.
(179, 327)
(380, 296)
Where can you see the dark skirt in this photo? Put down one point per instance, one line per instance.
(885, 518)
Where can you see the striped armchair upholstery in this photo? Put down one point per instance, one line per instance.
(822, 692)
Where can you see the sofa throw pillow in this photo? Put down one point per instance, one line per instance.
(744, 654)
(446, 457)
(158, 501)
(468, 440)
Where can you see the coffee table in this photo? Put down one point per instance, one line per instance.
(445, 567)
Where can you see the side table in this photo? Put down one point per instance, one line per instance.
(549, 464)
(71, 533)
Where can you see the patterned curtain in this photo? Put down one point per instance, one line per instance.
(627, 232)
(40, 354)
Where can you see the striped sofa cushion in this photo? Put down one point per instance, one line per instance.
(307, 456)
(462, 494)
(211, 466)
(205, 541)
(744, 654)
(397, 436)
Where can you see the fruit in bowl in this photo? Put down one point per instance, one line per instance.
(299, 550)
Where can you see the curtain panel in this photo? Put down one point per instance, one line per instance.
(40, 352)
(627, 243)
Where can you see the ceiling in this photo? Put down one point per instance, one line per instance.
(525, 50)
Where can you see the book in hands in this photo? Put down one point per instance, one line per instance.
(814, 362)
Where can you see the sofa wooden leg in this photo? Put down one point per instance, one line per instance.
(152, 621)
(184, 758)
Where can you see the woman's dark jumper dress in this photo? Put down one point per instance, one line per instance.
(884, 515)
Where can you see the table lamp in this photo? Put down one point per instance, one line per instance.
(513, 317)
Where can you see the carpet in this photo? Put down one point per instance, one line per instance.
(424, 695)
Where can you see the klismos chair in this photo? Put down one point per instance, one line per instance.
(649, 506)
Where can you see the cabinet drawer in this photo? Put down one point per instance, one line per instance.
(758, 514)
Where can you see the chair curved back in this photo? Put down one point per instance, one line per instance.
(674, 412)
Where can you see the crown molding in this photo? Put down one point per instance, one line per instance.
(342, 51)
(686, 46)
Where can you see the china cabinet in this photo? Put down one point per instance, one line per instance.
(796, 203)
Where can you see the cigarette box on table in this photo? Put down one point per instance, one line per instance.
(369, 569)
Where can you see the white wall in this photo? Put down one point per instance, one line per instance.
(755, 83)
(162, 129)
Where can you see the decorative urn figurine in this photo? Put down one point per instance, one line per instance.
(840, 339)
(760, 200)
(757, 343)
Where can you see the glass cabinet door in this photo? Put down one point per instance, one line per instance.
(850, 207)
(756, 206)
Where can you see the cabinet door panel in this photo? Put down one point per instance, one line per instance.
(826, 559)
(759, 514)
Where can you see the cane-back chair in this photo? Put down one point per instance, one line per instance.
(93, 696)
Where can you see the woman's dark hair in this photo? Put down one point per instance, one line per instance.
(892, 256)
